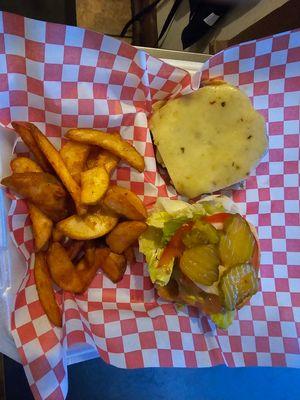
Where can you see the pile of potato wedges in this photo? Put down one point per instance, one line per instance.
(81, 222)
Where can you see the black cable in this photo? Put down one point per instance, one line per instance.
(138, 16)
(169, 19)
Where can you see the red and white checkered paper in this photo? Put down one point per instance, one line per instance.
(61, 77)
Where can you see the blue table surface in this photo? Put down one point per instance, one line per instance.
(93, 380)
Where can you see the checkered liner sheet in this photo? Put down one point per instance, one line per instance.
(61, 77)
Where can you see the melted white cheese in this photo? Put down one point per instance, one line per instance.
(209, 139)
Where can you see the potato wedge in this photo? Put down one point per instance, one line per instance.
(57, 235)
(124, 202)
(45, 290)
(75, 279)
(95, 224)
(24, 164)
(113, 266)
(59, 166)
(62, 270)
(94, 184)
(24, 131)
(102, 158)
(113, 143)
(41, 227)
(124, 235)
(129, 255)
(74, 156)
(43, 190)
(108, 160)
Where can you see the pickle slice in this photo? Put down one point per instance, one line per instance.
(202, 233)
(238, 284)
(201, 264)
(237, 244)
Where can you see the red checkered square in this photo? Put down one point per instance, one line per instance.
(60, 372)
(34, 50)
(27, 332)
(291, 84)
(72, 55)
(15, 64)
(13, 24)
(53, 72)
(35, 86)
(3, 83)
(99, 91)
(247, 50)
(55, 33)
(106, 60)
(48, 340)
(2, 49)
(36, 115)
(92, 40)
(86, 107)
(39, 367)
(293, 55)
(281, 42)
(86, 73)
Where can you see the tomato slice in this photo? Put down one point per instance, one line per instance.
(215, 218)
(175, 247)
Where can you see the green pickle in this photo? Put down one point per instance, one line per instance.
(202, 233)
(237, 244)
(201, 264)
(238, 284)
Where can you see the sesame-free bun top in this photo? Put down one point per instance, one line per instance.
(209, 139)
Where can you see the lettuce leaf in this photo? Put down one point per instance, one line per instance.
(150, 243)
(170, 227)
(223, 321)
(158, 219)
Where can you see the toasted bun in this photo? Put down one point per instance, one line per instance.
(209, 139)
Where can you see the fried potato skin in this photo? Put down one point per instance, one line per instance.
(59, 166)
(41, 227)
(57, 235)
(43, 190)
(24, 131)
(129, 255)
(74, 279)
(124, 235)
(114, 265)
(45, 289)
(111, 142)
(94, 184)
(125, 202)
(102, 158)
(74, 156)
(20, 165)
(90, 226)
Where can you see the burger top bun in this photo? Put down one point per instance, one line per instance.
(209, 139)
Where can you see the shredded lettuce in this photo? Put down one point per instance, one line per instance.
(223, 321)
